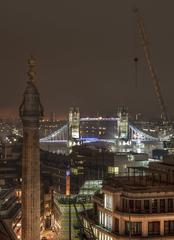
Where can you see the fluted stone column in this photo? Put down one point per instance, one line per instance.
(30, 112)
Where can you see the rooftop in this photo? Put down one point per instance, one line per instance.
(136, 184)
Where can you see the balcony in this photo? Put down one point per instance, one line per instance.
(143, 214)
(147, 206)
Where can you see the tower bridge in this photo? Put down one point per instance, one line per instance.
(70, 132)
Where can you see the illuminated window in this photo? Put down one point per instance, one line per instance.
(74, 171)
(108, 202)
(101, 218)
(108, 222)
(114, 170)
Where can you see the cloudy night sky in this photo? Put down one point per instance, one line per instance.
(85, 54)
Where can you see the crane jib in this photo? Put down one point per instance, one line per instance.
(155, 80)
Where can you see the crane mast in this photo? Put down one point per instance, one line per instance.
(148, 58)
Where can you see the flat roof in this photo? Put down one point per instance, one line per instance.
(129, 184)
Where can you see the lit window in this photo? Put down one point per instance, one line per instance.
(108, 222)
(114, 170)
(108, 202)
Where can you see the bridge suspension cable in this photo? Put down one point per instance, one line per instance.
(59, 135)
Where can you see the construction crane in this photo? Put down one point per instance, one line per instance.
(148, 58)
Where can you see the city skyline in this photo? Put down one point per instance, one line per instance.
(85, 54)
(86, 120)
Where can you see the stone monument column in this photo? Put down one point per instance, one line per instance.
(31, 112)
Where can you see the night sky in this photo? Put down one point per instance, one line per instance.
(85, 52)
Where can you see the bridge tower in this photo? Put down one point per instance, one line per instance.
(73, 126)
(123, 124)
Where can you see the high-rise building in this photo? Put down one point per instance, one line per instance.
(30, 112)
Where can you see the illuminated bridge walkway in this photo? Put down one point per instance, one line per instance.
(136, 134)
